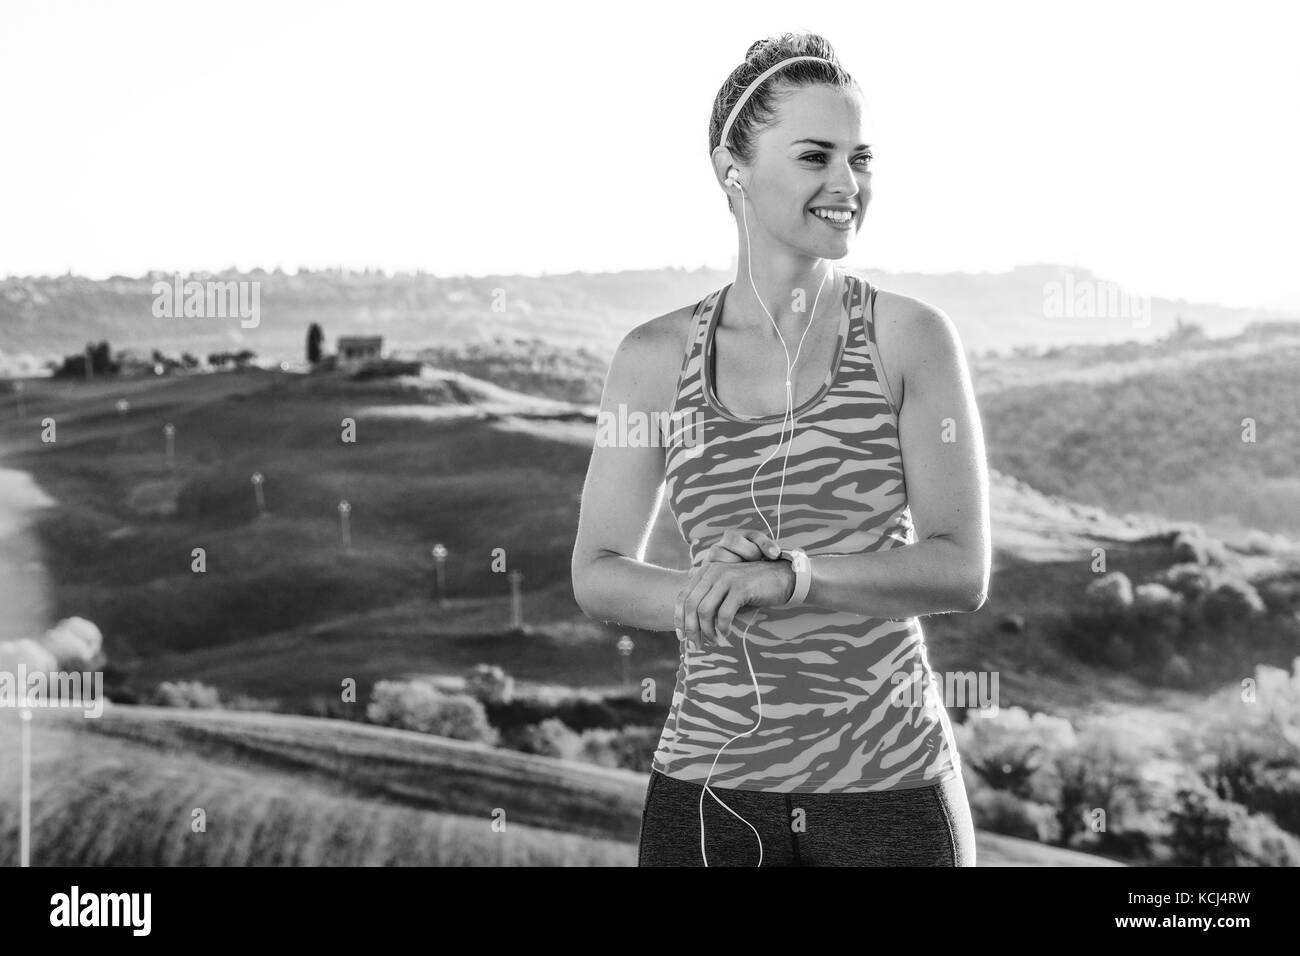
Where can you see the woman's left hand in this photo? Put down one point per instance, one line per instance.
(716, 591)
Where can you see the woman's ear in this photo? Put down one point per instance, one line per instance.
(722, 162)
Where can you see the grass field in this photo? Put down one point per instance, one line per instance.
(284, 611)
(283, 790)
(120, 547)
(108, 800)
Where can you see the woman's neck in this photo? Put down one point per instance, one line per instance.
(777, 283)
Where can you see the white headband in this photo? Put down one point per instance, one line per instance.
(726, 127)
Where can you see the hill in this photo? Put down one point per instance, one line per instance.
(280, 790)
(44, 317)
(283, 610)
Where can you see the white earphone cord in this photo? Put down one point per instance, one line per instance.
(789, 415)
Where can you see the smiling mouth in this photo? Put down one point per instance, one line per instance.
(833, 217)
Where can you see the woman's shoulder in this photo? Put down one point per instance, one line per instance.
(908, 330)
(653, 351)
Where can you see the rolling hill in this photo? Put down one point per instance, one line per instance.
(283, 790)
(46, 317)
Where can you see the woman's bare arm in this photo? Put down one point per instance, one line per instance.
(942, 441)
(620, 497)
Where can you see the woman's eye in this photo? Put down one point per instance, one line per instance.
(864, 159)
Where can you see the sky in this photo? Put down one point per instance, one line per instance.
(1153, 143)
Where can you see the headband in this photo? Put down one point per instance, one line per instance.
(726, 127)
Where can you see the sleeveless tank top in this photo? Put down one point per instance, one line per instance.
(848, 701)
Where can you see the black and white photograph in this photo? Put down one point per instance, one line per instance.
(573, 435)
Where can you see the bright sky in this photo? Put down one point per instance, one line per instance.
(1153, 143)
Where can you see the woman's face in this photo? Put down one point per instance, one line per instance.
(815, 156)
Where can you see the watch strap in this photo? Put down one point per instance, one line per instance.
(802, 575)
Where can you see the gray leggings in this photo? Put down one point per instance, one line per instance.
(920, 826)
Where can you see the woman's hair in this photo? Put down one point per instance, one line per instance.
(760, 109)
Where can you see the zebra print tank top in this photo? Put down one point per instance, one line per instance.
(849, 702)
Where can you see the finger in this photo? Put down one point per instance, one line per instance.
(679, 607)
(728, 609)
(679, 611)
(697, 587)
(707, 609)
(765, 545)
(742, 543)
(722, 555)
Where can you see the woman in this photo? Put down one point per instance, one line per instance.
(804, 728)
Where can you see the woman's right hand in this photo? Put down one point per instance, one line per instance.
(736, 546)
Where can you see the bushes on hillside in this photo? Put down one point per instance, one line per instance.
(419, 705)
(999, 811)
(1010, 748)
(1190, 623)
(1246, 745)
(551, 737)
(1039, 778)
(629, 748)
(490, 684)
(1226, 794)
(1209, 831)
(185, 693)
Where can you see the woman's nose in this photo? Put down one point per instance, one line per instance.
(844, 181)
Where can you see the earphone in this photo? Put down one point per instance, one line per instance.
(733, 180)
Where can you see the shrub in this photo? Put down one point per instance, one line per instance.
(76, 642)
(1155, 602)
(1190, 580)
(1111, 593)
(1000, 811)
(333, 707)
(1231, 600)
(1208, 831)
(418, 705)
(1281, 595)
(551, 737)
(186, 693)
(1193, 545)
(1189, 548)
(1276, 791)
(1199, 835)
(630, 748)
(1246, 748)
(490, 684)
(1008, 749)
(1103, 771)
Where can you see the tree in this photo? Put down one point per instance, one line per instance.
(314, 338)
(101, 359)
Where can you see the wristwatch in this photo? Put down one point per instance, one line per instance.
(802, 574)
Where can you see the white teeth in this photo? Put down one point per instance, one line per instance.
(835, 215)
